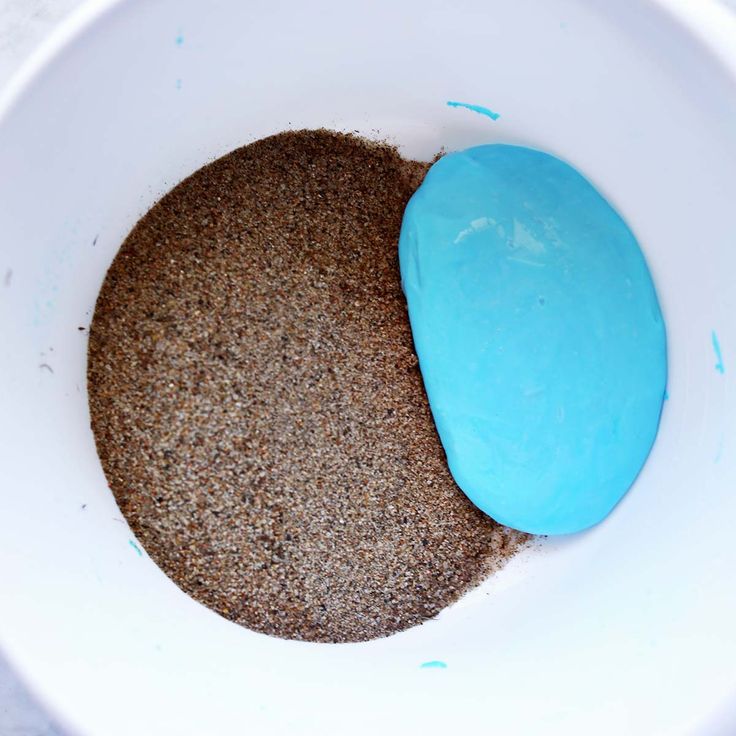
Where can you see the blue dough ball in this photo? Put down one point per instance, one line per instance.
(539, 336)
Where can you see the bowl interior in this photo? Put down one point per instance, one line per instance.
(616, 626)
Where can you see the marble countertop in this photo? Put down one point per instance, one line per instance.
(24, 24)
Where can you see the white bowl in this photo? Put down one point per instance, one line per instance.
(625, 629)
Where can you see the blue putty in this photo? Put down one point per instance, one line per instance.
(539, 336)
(435, 664)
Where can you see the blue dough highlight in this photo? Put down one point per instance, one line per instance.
(539, 336)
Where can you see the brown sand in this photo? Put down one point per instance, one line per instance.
(257, 404)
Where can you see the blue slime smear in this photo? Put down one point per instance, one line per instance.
(717, 350)
(539, 336)
(476, 108)
(135, 547)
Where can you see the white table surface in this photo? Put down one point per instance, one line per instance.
(24, 24)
